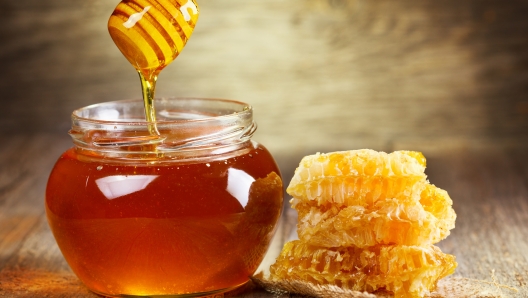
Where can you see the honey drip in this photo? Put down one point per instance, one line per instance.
(148, 86)
(151, 34)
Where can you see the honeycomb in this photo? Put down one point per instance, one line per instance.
(426, 219)
(367, 222)
(364, 197)
(437, 202)
(407, 271)
(359, 177)
(354, 190)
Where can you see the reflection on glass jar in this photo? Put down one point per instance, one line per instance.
(189, 211)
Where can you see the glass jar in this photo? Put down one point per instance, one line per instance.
(188, 211)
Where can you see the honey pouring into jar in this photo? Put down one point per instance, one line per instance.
(191, 213)
(151, 34)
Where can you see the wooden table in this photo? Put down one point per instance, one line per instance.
(489, 189)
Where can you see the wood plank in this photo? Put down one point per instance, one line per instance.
(26, 166)
(491, 200)
(39, 270)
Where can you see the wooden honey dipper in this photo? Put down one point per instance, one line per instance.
(151, 34)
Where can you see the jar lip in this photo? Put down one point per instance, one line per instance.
(77, 116)
(185, 128)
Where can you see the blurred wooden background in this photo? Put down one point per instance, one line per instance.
(321, 74)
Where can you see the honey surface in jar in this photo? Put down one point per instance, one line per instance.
(159, 229)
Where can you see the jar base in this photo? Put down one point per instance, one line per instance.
(210, 294)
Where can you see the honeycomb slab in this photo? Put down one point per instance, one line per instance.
(407, 271)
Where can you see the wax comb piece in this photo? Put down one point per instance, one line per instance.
(356, 177)
(407, 271)
(152, 33)
(400, 220)
(363, 197)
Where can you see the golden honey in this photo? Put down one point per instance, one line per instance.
(189, 212)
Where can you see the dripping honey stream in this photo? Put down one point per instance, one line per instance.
(148, 88)
(151, 34)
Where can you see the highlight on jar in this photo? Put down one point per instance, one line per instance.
(189, 211)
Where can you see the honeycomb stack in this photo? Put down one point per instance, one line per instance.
(367, 222)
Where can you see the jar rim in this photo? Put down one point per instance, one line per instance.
(76, 115)
(185, 127)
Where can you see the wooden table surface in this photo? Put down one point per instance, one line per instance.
(489, 189)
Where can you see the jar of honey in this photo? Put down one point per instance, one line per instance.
(189, 210)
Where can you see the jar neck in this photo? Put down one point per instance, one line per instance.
(189, 129)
